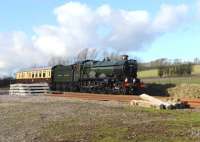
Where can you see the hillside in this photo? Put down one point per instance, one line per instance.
(154, 72)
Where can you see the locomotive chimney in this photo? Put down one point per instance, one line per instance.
(124, 57)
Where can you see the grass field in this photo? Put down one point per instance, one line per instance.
(148, 73)
(44, 119)
(196, 69)
(154, 72)
(173, 80)
(151, 76)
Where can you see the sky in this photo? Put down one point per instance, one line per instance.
(34, 31)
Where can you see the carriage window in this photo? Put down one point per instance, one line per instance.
(40, 75)
(32, 75)
(44, 74)
(49, 73)
(36, 75)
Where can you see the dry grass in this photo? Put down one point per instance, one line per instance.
(185, 91)
(174, 90)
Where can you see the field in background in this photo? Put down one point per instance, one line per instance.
(151, 76)
(177, 87)
(196, 69)
(154, 72)
(173, 80)
(148, 73)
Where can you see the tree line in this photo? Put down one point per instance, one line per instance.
(165, 62)
(175, 70)
(5, 81)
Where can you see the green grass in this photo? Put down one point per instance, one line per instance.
(173, 80)
(159, 126)
(196, 69)
(151, 76)
(148, 73)
(154, 72)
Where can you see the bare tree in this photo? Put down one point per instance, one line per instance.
(196, 61)
(59, 61)
(86, 54)
(114, 56)
(83, 54)
(93, 54)
(177, 61)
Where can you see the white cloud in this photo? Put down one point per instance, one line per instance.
(104, 11)
(76, 30)
(17, 52)
(198, 8)
(2, 65)
(78, 27)
(170, 17)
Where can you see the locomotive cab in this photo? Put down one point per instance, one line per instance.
(131, 82)
(130, 68)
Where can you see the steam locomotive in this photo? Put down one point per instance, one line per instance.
(107, 76)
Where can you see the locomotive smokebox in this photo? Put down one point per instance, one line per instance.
(124, 57)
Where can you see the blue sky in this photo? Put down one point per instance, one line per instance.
(24, 15)
(32, 23)
(183, 43)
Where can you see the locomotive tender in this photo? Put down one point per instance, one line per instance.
(115, 77)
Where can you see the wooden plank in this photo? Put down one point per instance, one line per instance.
(154, 100)
(29, 89)
(144, 103)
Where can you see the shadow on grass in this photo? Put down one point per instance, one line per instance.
(154, 89)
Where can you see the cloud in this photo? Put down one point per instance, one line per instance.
(2, 65)
(76, 30)
(79, 27)
(198, 8)
(170, 17)
(17, 51)
(128, 30)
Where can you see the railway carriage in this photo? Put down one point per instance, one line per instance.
(34, 75)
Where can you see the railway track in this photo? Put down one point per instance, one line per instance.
(194, 103)
(98, 97)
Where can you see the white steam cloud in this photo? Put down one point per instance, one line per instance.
(81, 27)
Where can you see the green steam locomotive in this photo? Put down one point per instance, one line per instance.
(115, 77)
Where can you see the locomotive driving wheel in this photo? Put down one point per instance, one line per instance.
(125, 91)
